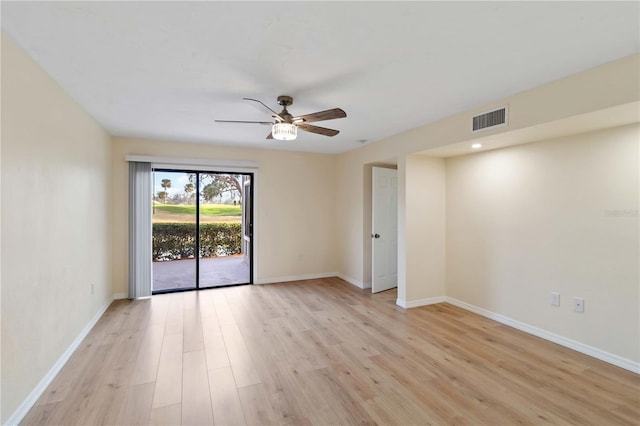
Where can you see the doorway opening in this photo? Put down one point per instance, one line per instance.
(201, 229)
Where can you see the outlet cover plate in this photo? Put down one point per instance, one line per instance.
(578, 304)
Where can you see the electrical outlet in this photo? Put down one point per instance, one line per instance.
(578, 304)
(555, 299)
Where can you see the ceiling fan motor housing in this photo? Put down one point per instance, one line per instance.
(284, 100)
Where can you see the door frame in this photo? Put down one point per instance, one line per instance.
(213, 170)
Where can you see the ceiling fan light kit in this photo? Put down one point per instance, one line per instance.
(284, 131)
(285, 127)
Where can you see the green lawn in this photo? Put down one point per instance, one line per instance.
(205, 209)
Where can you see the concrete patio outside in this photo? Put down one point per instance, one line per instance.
(214, 272)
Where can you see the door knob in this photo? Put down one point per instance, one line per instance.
(376, 235)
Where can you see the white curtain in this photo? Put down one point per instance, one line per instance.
(140, 193)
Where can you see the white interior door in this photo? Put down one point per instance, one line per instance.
(385, 229)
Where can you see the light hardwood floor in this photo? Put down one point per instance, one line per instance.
(324, 352)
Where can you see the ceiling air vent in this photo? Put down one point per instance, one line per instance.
(490, 119)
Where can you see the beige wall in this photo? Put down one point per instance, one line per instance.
(528, 220)
(56, 214)
(424, 222)
(351, 232)
(294, 201)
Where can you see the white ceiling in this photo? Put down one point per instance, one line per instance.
(166, 70)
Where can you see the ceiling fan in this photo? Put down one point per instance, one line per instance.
(285, 127)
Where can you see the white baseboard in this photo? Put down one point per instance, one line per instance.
(33, 396)
(605, 356)
(295, 278)
(346, 278)
(119, 296)
(419, 302)
(352, 281)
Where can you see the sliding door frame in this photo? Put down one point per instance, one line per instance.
(198, 172)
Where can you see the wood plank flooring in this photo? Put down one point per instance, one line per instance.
(324, 352)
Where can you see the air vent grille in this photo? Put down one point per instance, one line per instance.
(490, 119)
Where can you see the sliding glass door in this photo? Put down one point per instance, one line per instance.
(221, 202)
(199, 229)
(174, 231)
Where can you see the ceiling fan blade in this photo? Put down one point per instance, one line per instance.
(316, 129)
(329, 114)
(273, 113)
(244, 122)
(270, 136)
